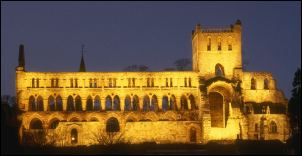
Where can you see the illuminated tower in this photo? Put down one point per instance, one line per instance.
(217, 51)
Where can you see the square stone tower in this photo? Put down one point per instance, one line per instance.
(217, 51)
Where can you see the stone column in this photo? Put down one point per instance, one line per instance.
(160, 103)
(103, 102)
(84, 104)
(64, 103)
(122, 103)
(45, 104)
(178, 103)
(189, 104)
(141, 103)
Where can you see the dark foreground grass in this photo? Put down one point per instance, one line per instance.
(239, 147)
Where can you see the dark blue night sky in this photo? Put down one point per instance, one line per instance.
(118, 34)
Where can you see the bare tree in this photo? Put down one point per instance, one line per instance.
(107, 138)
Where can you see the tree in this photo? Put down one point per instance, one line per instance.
(103, 137)
(183, 64)
(136, 67)
(294, 108)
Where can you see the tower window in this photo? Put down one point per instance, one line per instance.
(167, 82)
(71, 83)
(219, 44)
(171, 82)
(266, 82)
(76, 83)
(190, 85)
(33, 83)
(185, 82)
(230, 43)
(209, 44)
(253, 84)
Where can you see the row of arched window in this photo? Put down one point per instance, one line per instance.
(254, 84)
(219, 44)
(272, 127)
(112, 83)
(150, 103)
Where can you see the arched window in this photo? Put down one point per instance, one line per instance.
(256, 127)
(108, 103)
(112, 125)
(154, 103)
(192, 102)
(209, 44)
(183, 103)
(40, 106)
(253, 84)
(74, 136)
(31, 104)
(35, 124)
(127, 103)
(146, 103)
(97, 103)
(219, 71)
(54, 123)
(94, 119)
(273, 127)
(78, 103)
(135, 103)
(173, 103)
(74, 119)
(51, 103)
(230, 43)
(89, 104)
(219, 44)
(165, 103)
(266, 83)
(70, 104)
(116, 103)
(193, 137)
(59, 103)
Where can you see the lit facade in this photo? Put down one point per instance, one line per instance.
(217, 100)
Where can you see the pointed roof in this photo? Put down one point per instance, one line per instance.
(82, 64)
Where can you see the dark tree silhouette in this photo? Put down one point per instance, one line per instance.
(183, 64)
(136, 67)
(294, 108)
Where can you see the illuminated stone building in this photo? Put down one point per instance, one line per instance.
(217, 100)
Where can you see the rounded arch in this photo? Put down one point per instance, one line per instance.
(173, 105)
(127, 103)
(146, 103)
(35, 123)
(116, 103)
(183, 103)
(31, 103)
(108, 103)
(74, 136)
(216, 109)
(154, 103)
(265, 84)
(97, 103)
(89, 105)
(192, 102)
(273, 127)
(253, 84)
(40, 106)
(53, 123)
(70, 103)
(74, 119)
(93, 119)
(219, 70)
(165, 103)
(78, 103)
(59, 103)
(135, 103)
(51, 103)
(112, 125)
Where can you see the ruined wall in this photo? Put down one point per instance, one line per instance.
(260, 94)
